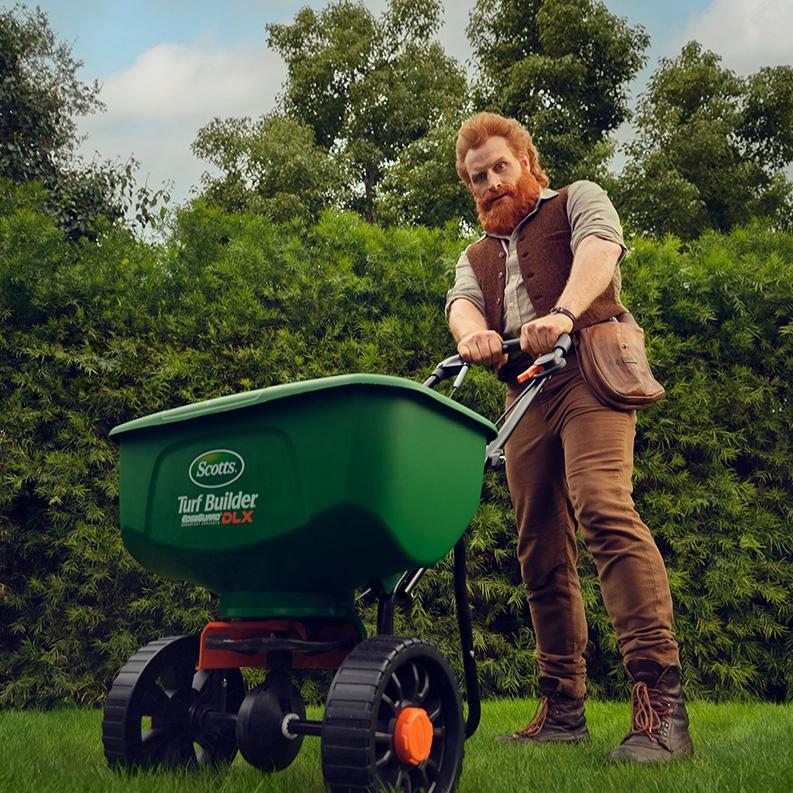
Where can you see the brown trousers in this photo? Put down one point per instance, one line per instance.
(571, 459)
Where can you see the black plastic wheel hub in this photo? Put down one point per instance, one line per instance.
(261, 736)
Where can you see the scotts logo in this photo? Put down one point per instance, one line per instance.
(217, 468)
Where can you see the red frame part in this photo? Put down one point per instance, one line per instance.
(291, 629)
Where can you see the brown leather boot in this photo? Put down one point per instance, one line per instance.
(558, 718)
(659, 731)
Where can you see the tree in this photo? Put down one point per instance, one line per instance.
(561, 67)
(271, 166)
(40, 96)
(40, 99)
(710, 148)
(422, 187)
(367, 87)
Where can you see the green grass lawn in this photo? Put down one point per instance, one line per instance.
(739, 747)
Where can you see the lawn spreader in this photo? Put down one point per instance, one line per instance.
(286, 502)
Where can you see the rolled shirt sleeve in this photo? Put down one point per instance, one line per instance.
(590, 211)
(466, 286)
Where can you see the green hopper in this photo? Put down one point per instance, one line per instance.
(284, 501)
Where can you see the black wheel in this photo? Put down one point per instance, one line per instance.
(261, 735)
(393, 720)
(160, 712)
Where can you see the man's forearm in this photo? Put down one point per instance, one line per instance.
(465, 318)
(592, 271)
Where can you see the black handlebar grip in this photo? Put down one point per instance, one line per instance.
(563, 343)
(511, 346)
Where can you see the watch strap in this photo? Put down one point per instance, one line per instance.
(569, 314)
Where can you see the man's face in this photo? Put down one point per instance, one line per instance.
(504, 188)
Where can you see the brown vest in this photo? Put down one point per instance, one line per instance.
(545, 260)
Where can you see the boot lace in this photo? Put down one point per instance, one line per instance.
(649, 708)
(536, 723)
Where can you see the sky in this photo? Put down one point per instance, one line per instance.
(167, 67)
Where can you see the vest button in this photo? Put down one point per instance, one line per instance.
(501, 275)
(529, 275)
(501, 255)
(525, 254)
(498, 301)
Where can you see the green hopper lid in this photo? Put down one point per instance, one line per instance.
(248, 399)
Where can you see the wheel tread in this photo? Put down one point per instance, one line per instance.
(116, 725)
(348, 744)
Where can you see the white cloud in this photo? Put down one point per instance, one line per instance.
(156, 106)
(748, 34)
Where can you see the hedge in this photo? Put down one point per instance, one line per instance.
(95, 334)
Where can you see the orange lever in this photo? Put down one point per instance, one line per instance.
(533, 370)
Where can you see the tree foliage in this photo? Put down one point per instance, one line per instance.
(710, 148)
(271, 166)
(422, 186)
(40, 99)
(40, 96)
(368, 86)
(561, 67)
(92, 335)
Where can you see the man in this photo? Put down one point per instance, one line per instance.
(548, 264)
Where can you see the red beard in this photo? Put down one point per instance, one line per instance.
(500, 215)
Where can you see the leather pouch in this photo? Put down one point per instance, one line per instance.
(614, 364)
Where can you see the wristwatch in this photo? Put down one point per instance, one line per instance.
(569, 314)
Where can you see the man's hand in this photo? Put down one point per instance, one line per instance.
(538, 336)
(483, 347)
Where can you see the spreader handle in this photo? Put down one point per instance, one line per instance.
(511, 346)
(563, 343)
(451, 366)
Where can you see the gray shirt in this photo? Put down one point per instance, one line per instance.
(589, 211)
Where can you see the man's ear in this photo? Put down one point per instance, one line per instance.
(524, 160)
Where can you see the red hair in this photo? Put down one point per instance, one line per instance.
(477, 129)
